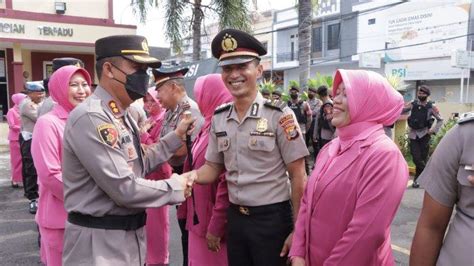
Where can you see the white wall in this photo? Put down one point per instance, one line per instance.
(81, 8)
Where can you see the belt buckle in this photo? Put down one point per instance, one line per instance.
(244, 210)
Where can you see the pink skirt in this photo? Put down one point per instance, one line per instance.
(51, 246)
(157, 235)
(15, 162)
(199, 255)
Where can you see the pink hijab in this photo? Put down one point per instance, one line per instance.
(59, 85)
(372, 103)
(210, 92)
(17, 98)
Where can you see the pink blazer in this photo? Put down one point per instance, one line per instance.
(14, 124)
(345, 217)
(46, 149)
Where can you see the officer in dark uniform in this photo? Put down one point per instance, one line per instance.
(105, 193)
(261, 146)
(48, 102)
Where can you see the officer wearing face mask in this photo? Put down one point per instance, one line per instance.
(420, 121)
(105, 193)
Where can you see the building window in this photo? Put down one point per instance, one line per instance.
(371, 21)
(333, 31)
(317, 43)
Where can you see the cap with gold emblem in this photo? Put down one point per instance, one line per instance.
(233, 46)
(131, 47)
(164, 74)
(66, 61)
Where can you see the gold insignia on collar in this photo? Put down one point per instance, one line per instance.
(228, 44)
(145, 46)
(262, 125)
(114, 108)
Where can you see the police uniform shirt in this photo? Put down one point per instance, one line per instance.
(46, 106)
(103, 162)
(445, 179)
(314, 105)
(172, 118)
(255, 151)
(28, 116)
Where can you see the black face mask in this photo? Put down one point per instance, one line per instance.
(422, 98)
(136, 84)
(294, 96)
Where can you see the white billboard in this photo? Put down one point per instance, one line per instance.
(424, 70)
(427, 32)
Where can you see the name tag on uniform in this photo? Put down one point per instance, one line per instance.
(221, 134)
(265, 134)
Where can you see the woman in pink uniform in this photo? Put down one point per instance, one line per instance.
(14, 125)
(206, 210)
(68, 86)
(358, 180)
(157, 223)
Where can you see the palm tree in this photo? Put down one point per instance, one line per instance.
(305, 10)
(231, 13)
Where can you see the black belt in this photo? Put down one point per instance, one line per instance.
(110, 222)
(254, 210)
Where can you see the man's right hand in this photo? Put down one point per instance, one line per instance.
(186, 180)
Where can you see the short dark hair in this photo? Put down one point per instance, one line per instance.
(322, 91)
(100, 63)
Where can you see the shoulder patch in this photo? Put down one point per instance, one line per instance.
(223, 107)
(466, 117)
(277, 105)
(108, 134)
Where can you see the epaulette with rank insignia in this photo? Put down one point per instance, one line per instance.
(221, 108)
(277, 105)
(466, 117)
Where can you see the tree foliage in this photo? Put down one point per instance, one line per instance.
(231, 13)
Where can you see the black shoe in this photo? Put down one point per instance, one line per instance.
(15, 185)
(33, 206)
(415, 185)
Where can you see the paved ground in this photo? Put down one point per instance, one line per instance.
(18, 237)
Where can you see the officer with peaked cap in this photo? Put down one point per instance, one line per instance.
(29, 115)
(48, 102)
(105, 193)
(171, 93)
(261, 146)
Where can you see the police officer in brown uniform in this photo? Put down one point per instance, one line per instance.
(105, 193)
(28, 115)
(448, 180)
(257, 141)
(172, 95)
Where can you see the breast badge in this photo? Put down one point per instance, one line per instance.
(262, 125)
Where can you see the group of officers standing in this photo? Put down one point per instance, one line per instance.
(258, 140)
